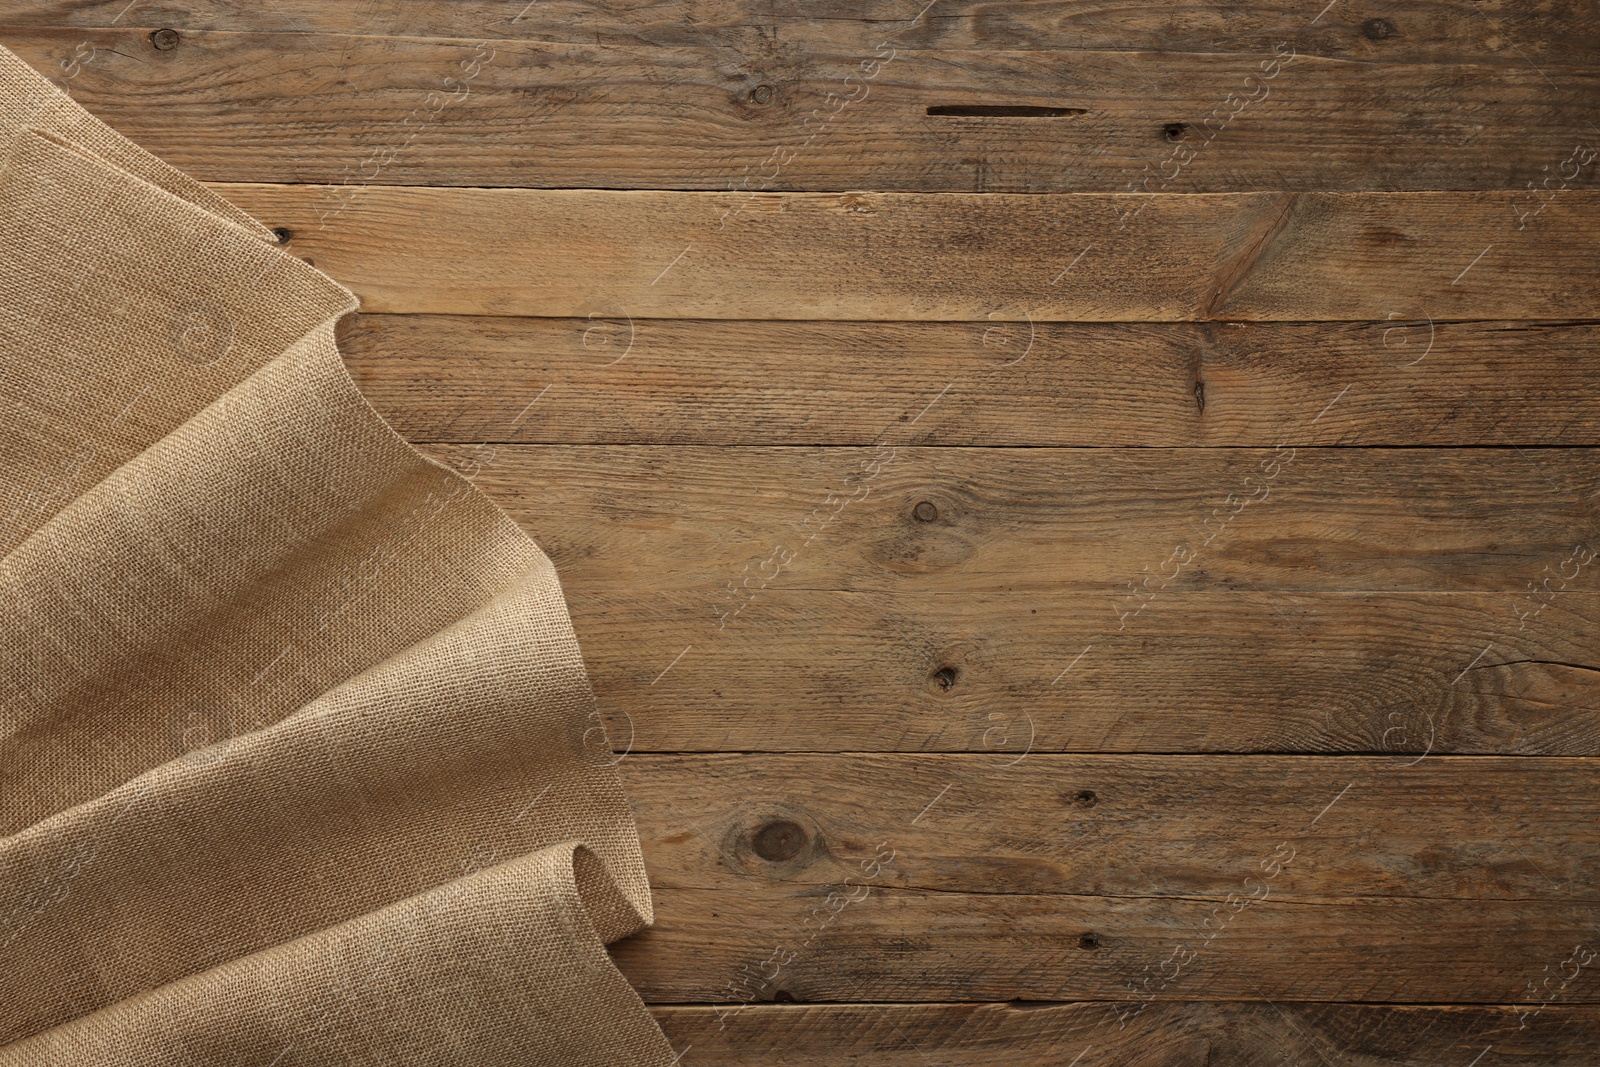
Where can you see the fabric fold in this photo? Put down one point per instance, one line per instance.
(486, 939)
(299, 763)
(29, 100)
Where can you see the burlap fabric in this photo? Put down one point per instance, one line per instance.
(299, 764)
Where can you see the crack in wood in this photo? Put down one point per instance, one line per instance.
(984, 111)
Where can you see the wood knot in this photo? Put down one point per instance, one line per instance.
(1085, 798)
(1174, 131)
(945, 677)
(164, 40)
(779, 840)
(1377, 29)
(761, 94)
(283, 234)
(783, 996)
(1089, 941)
(925, 511)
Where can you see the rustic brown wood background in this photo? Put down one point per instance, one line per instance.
(1082, 516)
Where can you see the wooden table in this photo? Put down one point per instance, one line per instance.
(1082, 517)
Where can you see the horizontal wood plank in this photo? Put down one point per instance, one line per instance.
(1106, 600)
(912, 945)
(1451, 828)
(948, 257)
(824, 671)
(447, 378)
(1044, 521)
(873, 113)
(1203, 1034)
(749, 861)
(1499, 31)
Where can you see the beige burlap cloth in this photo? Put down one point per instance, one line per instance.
(299, 764)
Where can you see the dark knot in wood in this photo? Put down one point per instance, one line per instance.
(779, 840)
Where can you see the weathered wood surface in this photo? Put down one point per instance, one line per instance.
(963, 257)
(1037, 522)
(447, 378)
(1507, 31)
(1200, 1034)
(913, 945)
(743, 849)
(1057, 678)
(819, 670)
(316, 107)
(1176, 828)
(1438, 31)
(772, 599)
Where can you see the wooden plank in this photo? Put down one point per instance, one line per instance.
(951, 257)
(1372, 600)
(1045, 521)
(1499, 31)
(912, 945)
(743, 848)
(1309, 624)
(447, 378)
(332, 108)
(1166, 1034)
(1373, 830)
(818, 670)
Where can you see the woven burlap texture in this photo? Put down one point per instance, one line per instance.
(299, 763)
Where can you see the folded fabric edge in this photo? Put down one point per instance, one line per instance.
(310, 289)
(484, 937)
(200, 766)
(342, 380)
(21, 86)
(100, 144)
(212, 820)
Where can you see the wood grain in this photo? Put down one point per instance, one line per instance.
(911, 945)
(951, 257)
(1201, 1034)
(1502, 31)
(1372, 600)
(447, 378)
(1074, 644)
(1042, 521)
(1478, 828)
(816, 670)
(846, 113)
